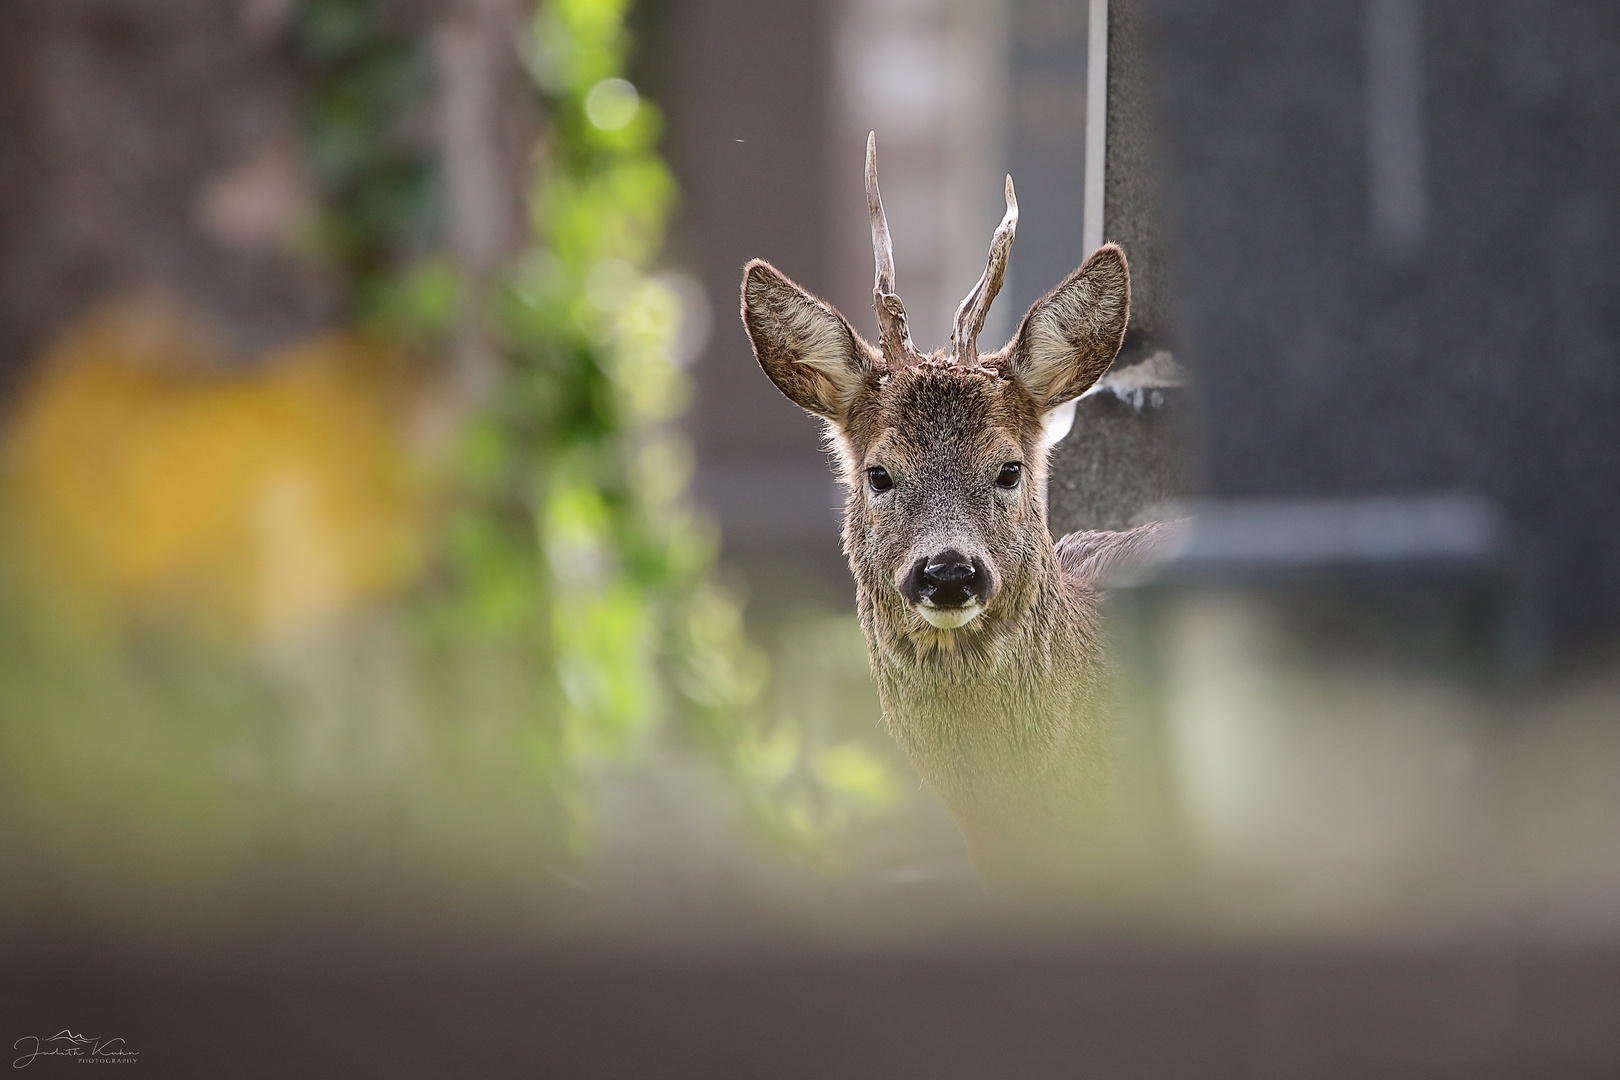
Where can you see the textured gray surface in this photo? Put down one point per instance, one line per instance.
(1046, 144)
(1121, 460)
(1485, 359)
(1129, 210)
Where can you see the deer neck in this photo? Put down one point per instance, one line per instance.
(1001, 710)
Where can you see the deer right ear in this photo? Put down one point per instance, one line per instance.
(1073, 333)
(809, 350)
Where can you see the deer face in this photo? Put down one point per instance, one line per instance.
(943, 457)
(942, 466)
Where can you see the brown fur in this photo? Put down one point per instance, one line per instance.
(1004, 717)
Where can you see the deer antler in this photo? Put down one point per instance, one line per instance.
(976, 305)
(893, 335)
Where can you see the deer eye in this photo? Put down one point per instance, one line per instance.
(879, 478)
(1009, 474)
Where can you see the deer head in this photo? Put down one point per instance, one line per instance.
(943, 456)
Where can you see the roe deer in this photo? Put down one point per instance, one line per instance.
(983, 634)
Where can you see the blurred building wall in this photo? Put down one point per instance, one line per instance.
(1046, 126)
(930, 78)
(746, 88)
(150, 142)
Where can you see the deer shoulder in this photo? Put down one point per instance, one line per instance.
(1094, 558)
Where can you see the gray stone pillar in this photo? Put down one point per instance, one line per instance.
(1120, 463)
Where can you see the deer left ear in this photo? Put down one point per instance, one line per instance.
(809, 350)
(1073, 333)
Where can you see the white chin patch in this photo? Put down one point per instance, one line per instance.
(949, 618)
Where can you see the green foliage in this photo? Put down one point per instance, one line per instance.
(578, 458)
(169, 765)
(367, 85)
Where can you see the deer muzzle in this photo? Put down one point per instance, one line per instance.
(948, 589)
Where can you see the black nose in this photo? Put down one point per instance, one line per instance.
(950, 579)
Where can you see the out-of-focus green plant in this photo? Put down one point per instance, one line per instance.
(581, 477)
(569, 538)
(367, 88)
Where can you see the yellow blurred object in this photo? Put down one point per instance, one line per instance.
(144, 471)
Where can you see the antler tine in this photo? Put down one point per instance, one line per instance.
(975, 306)
(893, 335)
